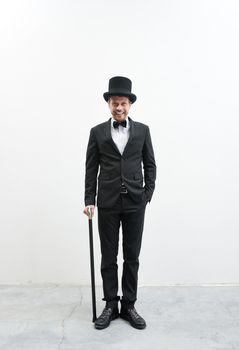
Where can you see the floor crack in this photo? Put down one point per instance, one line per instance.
(66, 319)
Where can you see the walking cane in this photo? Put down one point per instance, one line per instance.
(92, 265)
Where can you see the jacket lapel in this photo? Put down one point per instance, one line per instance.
(109, 137)
(131, 135)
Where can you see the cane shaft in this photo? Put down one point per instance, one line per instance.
(92, 270)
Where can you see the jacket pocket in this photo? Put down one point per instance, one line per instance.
(103, 177)
(138, 177)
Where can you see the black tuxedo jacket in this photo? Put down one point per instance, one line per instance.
(135, 168)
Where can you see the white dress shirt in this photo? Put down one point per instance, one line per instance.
(120, 135)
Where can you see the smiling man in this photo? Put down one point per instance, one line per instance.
(119, 107)
(118, 149)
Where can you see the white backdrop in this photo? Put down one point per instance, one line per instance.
(56, 60)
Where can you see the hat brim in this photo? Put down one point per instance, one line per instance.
(132, 97)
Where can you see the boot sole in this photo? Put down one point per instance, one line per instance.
(126, 318)
(103, 327)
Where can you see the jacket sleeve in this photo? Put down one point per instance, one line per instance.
(91, 169)
(149, 166)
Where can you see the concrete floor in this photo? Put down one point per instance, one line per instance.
(178, 318)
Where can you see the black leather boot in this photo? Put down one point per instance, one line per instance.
(130, 314)
(109, 313)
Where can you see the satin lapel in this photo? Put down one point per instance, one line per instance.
(109, 137)
(131, 135)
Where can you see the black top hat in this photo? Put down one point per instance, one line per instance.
(120, 86)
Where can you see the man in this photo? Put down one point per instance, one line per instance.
(119, 148)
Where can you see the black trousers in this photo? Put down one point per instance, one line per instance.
(131, 216)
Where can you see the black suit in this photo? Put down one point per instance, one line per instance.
(115, 208)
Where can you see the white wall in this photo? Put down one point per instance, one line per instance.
(56, 60)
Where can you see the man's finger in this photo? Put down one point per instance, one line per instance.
(86, 211)
(91, 212)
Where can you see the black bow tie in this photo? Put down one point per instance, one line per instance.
(116, 124)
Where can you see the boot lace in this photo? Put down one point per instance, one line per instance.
(106, 312)
(134, 313)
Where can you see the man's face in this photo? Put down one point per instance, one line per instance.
(119, 107)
